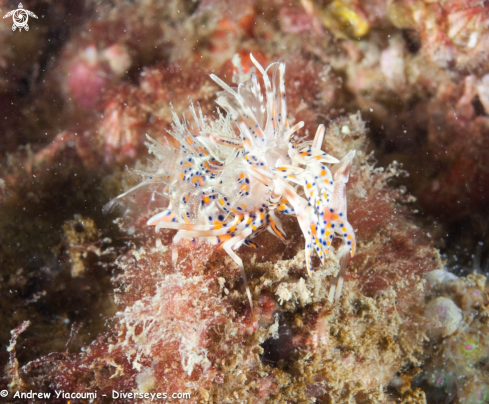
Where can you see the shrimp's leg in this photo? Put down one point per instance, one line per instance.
(234, 243)
(166, 216)
(288, 172)
(294, 129)
(335, 290)
(298, 204)
(238, 224)
(109, 206)
(310, 154)
(225, 141)
(275, 226)
(318, 138)
(200, 230)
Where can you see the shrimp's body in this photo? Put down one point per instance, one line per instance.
(232, 176)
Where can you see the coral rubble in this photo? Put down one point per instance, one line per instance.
(458, 364)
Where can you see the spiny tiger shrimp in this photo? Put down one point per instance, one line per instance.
(233, 174)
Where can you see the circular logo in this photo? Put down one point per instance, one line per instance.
(20, 17)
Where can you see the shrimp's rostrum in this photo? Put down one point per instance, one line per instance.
(234, 174)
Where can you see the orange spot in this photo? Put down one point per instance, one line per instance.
(224, 237)
(198, 179)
